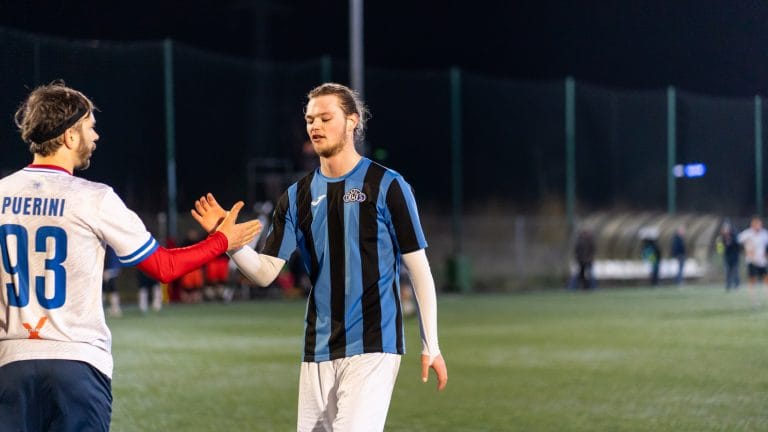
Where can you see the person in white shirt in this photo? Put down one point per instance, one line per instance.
(755, 241)
(55, 346)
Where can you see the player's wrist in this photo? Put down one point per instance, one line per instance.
(220, 239)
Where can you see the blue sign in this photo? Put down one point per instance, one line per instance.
(691, 170)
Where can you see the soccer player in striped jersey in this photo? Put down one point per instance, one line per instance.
(55, 347)
(355, 223)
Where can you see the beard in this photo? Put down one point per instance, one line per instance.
(332, 149)
(84, 153)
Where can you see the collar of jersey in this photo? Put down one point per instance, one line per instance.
(343, 177)
(47, 168)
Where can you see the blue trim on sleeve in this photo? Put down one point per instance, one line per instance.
(141, 253)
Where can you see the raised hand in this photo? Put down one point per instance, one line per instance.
(438, 364)
(208, 213)
(238, 234)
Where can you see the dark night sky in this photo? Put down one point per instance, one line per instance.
(711, 47)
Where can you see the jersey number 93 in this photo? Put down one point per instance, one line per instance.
(18, 295)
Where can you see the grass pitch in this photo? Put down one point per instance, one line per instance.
(664, 359)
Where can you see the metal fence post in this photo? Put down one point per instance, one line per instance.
(459, 271)
(170, 137)
(759, 155)
(326, 70)
(570, 151)
(671, 150)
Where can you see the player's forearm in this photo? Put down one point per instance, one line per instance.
(426, 299)
(259, 268)
(166, 265)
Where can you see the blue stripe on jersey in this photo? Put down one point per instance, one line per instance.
(389, 269)
(353, 287)
(319, 209)
(141, 253)
(322, 294)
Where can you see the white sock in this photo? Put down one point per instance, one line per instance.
(143, 299)
(157, 297)
(114, 304)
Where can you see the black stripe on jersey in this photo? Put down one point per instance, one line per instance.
(401, 219)
(399, 319)
(336, 244)
(304, 215)
(369, 260)
(275, 238)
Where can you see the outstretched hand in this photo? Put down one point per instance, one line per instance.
(208, 213)
(441, 370)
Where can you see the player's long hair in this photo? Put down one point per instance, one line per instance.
(350, 102)
(47, 113)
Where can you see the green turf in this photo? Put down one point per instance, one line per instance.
(666, 359)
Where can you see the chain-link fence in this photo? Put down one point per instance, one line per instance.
(228, 114)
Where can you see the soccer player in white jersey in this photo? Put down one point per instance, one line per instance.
(355, 223)
(755, 241)
(55, 347)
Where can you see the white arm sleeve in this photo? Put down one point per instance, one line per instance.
(426, 300)
(259, 268)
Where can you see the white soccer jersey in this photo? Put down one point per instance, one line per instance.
(755, 243)
(53, 231)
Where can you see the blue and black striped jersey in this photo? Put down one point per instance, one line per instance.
(351, 231)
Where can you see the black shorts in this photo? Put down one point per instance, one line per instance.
(755, 271)
(48, 395)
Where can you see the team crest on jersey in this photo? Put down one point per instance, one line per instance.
(354, 195)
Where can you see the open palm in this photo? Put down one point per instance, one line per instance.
(208, 213)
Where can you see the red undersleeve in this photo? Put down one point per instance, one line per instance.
(166, 265)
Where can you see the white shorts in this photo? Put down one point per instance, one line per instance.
(350, 394)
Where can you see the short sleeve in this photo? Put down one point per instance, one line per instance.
(123, 230)
(405, 216)
(281, 238)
